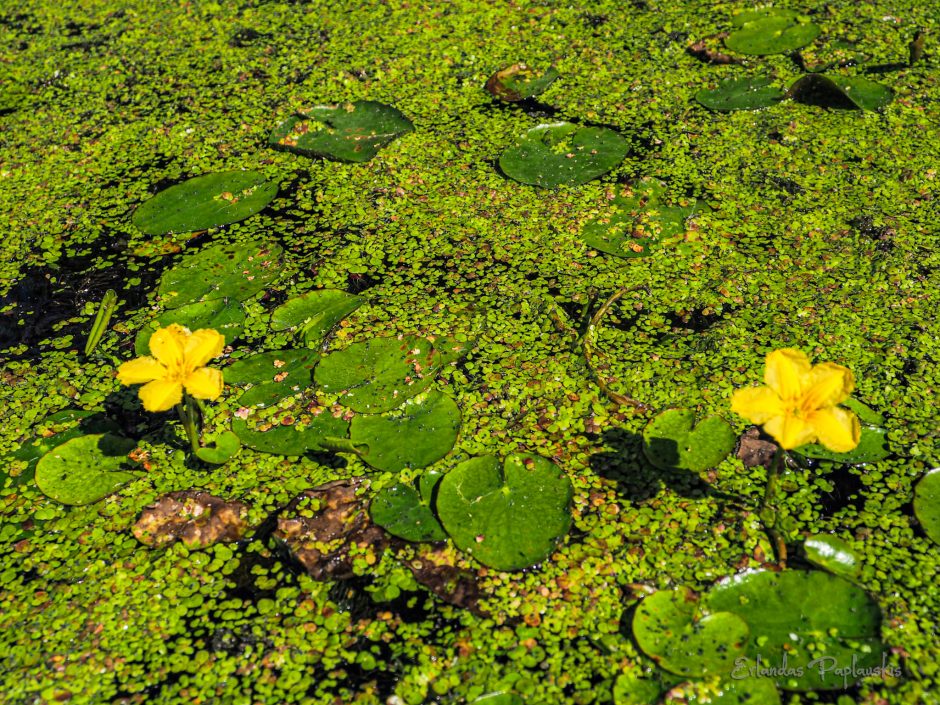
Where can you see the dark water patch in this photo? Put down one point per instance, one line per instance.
(698, 320)
(245, 36)
(847, 490)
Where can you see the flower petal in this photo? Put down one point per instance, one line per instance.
(140, 370)
(790, 431)
(205, 383)
(836, 428)
(167, 344)
(829, 385)
(202, 346)
(757, 404)
(787, 372)
(161, 395)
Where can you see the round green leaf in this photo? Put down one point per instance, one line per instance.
(740, 94)
(632, 689)
(273, 375)
(832, 554)
(670, 628)
(223, 315)
(840, 92)
(235, 271)
(673, 440)
(507, 519)
(870, 449)
(226, 447)
(417, 434)
(405, 513)
(927, 503)
(85, 469)
(380, 374)
(351, 132)
(518, 82)
(764, 13)
(732, 691)
(498, 699)
(772, 34)
(315, 313)
(563, 154)
(819, 623)
(291, 440)
(205, 202)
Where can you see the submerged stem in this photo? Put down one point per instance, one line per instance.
(773, 473)
(189, 416)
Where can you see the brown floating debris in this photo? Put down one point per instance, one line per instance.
(194, 517)
(435, 568)
(753, 451)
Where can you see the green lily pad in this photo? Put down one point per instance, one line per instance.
(563, 154)
(773, 33)
(420, 432)
(731, 691)
(235, 271)
(499, 699)
(86, 469)
(405, 512)
(673, 440)
(205, 202)
(380, 374)
(315, 313)
(927, 503)
(820, 622)
(741, 94)
(291, 440)
(273, 375)
(225, 448)
(870, 449)
(833, 554)
(764, 13)
(631, 689)
(672, 630)
(840, 92)
(224, 315)
(351, 132)
(518, 82)
(507, 518)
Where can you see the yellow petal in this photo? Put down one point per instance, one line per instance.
(161, 395)
(757, 404)
(143, 369)
(836, 428)
(787, 372)
(205, 383)
(829, 384)
(790, 431)
(167, 344)
(202, 346)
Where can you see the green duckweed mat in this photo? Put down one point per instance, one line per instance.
(817, 229)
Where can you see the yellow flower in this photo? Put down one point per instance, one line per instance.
(799, 403)
(178, 362)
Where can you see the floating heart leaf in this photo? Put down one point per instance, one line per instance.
(422, 431)
(832, 554)
(740, 94)
(499, 699)
(673, 440)
(222, 315)
(669, 626)
(633, 689)
(351, 132)
(507, 519)
(805, 617)
(404, 512)
(235, 271)
(840, 92)
(518, 82)
(733, 691)
(274, 375)
(205, 202)
(226, 447)
(563, 154)
(85, 469)
(870, 449)
(315, 313)
(927, 503)
(381, 374)
(771, 33)
(291, 440)
(764, 13)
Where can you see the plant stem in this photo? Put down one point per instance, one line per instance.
(105, 311)
(773, 473)
(189, 416)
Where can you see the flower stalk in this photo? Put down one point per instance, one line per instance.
(768, 512)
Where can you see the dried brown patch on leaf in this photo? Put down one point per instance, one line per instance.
(752, 451)
(196, 518)
(437, 569)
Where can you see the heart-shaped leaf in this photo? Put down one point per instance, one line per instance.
(740, 94)
(870, 449)
(507, 518)
(315, 313)
(833, 554)
(834, 91)
(563, 154)
(351, 132)
(736, 690)
(804, 616)
(294, 439)
(225, 448)
(405, 512)
(670, 627)
(205, 202)
(518, 82)
(673, 440)
(235, 271)
(380, 374)
(927, 503)
(773, 33)
(223, 315)
(86, 469)
(273, 375)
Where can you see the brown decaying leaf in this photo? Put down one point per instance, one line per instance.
(753, 451)
(194, 517)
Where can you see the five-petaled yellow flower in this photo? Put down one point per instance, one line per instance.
(178, 361)
(799, 403)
